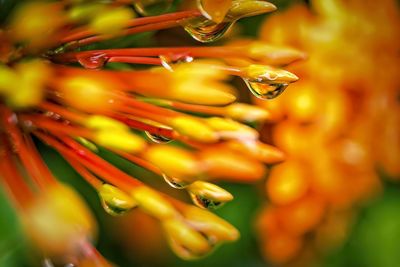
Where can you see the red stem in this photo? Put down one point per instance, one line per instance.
(85, 32)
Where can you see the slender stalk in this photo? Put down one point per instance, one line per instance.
(94, 163)
(83, 32)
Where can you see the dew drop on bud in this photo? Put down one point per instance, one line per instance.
(152, 7)
(204, 202)
(174, 182)
(205, 30)
(168, 61)
(113, 210)
(156, 138)
(115, 201)
(92, 61)
(265, 90)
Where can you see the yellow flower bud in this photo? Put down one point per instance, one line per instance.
(87, 93)
(215, 10)
(247, 8)
(246, 112)
(273, 55)
(194, 129)
(111, 21)
(215, 228)
(258, 150)
(8, 80)
(230, 129)
(186, 242)
(200, 83)
(58, 221)
(174, 162)
(98, 122)
(232, 166)
(153, 203)
(28, 89)
(208, 195)
(119, 139)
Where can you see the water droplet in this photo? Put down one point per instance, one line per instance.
(113, 210)
(158, 139)
(92, 61)
(166, 61)
(205, 30)
(265, 90)
(204, 202)
(152, 7)
(174, 182)
(115, 201)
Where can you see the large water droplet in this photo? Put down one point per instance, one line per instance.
(205, 30)
(158, 139)
(152, 7)
(174, 182)
(92, 61)
(204, 202)
(265, 90)
(168, 61)
(115, 201)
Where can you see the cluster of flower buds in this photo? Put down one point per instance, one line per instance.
(338, 126)
(58, 85)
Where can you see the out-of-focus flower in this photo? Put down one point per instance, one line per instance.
(337, 126)
(56, 86)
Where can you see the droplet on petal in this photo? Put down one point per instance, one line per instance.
(204, 202)
(114, 201)
(158, 139)
(205, 30)
(92, 61)
(265, 90)
(168, 60)
(174, 182)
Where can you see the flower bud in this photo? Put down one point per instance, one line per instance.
(194, 129)
(246, 112)
(174, 162)
(58, 221)
(216, 229)
(153, 203)
(208, 195)
(186, 242)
